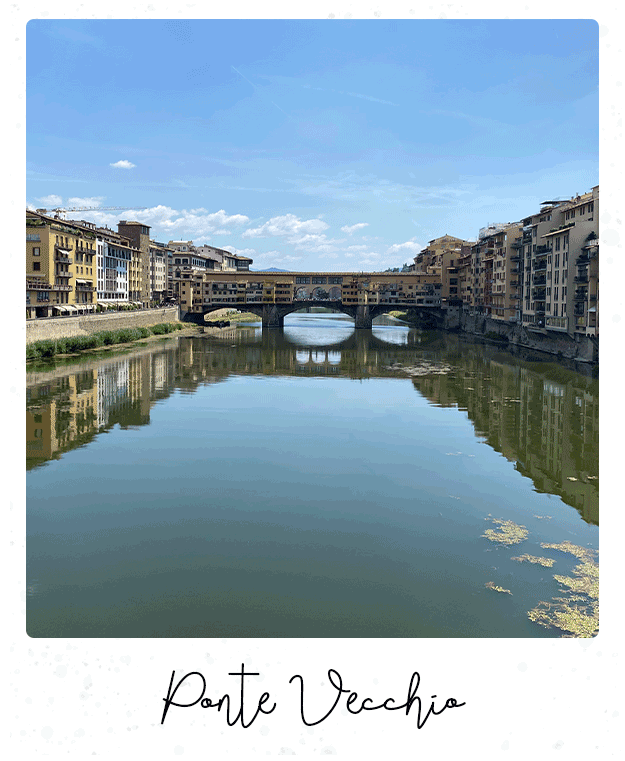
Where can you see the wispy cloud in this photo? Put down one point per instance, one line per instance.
(411, 246)
(123, 164)
(351, 94)
(286, 225)
(259, 92)
(191, 224)
(352, 228)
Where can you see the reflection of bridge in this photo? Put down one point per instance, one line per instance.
(272, 296)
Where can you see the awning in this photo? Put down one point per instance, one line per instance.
(592, 309)
(71, 308)
(60, 307)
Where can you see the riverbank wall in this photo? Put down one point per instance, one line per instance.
(579, 348)
(53, 328)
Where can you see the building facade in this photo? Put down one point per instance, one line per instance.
(60, 267)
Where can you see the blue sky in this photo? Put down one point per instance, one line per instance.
(330, 144)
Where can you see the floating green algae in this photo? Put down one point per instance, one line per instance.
(547, 562)
(507, 534)
(582, 553)
(577, 613)
(492, 585)
(574, 621)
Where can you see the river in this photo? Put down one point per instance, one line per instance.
(315, 481)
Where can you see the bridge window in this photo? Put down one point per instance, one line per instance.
(320, 280)
(302, 280)
(335, 280)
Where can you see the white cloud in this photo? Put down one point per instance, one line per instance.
(75, 202)
(123, 164)
(49, 202)
(287, 225)
(352, 228)
(188, 224)
(409, 247)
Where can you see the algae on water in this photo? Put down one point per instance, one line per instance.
(507, 534)
(492, 585)
(577, 613)
(547, 562)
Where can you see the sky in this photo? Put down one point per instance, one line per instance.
(330, 145)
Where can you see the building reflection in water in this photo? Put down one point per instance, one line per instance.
(538, 415)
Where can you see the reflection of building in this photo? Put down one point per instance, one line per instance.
(112, 389)
(550, 429)
(60, 415)
(548, 426)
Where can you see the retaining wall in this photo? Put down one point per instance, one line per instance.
(580, 348)
(44, 328)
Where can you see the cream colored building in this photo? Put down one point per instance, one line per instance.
(60, 267)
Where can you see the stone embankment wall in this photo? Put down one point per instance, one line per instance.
(579, 348)
(65, 327)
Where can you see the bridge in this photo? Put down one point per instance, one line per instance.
(273, 295)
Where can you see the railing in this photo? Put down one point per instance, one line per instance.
(83, 287)
(542, 250)
(581, 278)
(580, 295)
(57, 287)
(34, 285)
(58, 257)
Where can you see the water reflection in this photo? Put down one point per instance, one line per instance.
(539, 416)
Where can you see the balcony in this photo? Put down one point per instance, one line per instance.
(516, 258)
(84, 287)
(543, 250)
(581, 278)
(539, 279)
(57, 287)
(518, 243)
(63, 258)
(34, 285)
(514, 283)
(580, 295)
(540, 267)
(63, 249)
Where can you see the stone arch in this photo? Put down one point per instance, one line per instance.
(319, 294)
(335, 293)
(301, 294)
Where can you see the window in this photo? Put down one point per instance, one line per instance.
(558, 243)
(37, 251)
(36, 266)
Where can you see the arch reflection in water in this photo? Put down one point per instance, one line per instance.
(339, 497)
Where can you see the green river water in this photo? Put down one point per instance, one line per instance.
(314, 481)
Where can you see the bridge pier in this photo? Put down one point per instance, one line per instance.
(195, 317)
(363, 317)
(272, 316)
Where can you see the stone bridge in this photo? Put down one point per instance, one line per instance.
(363, 296)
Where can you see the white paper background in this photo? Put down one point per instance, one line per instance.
(78, 698)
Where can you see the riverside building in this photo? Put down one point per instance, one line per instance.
(60, 266)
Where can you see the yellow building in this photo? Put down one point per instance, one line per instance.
(60, 266)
